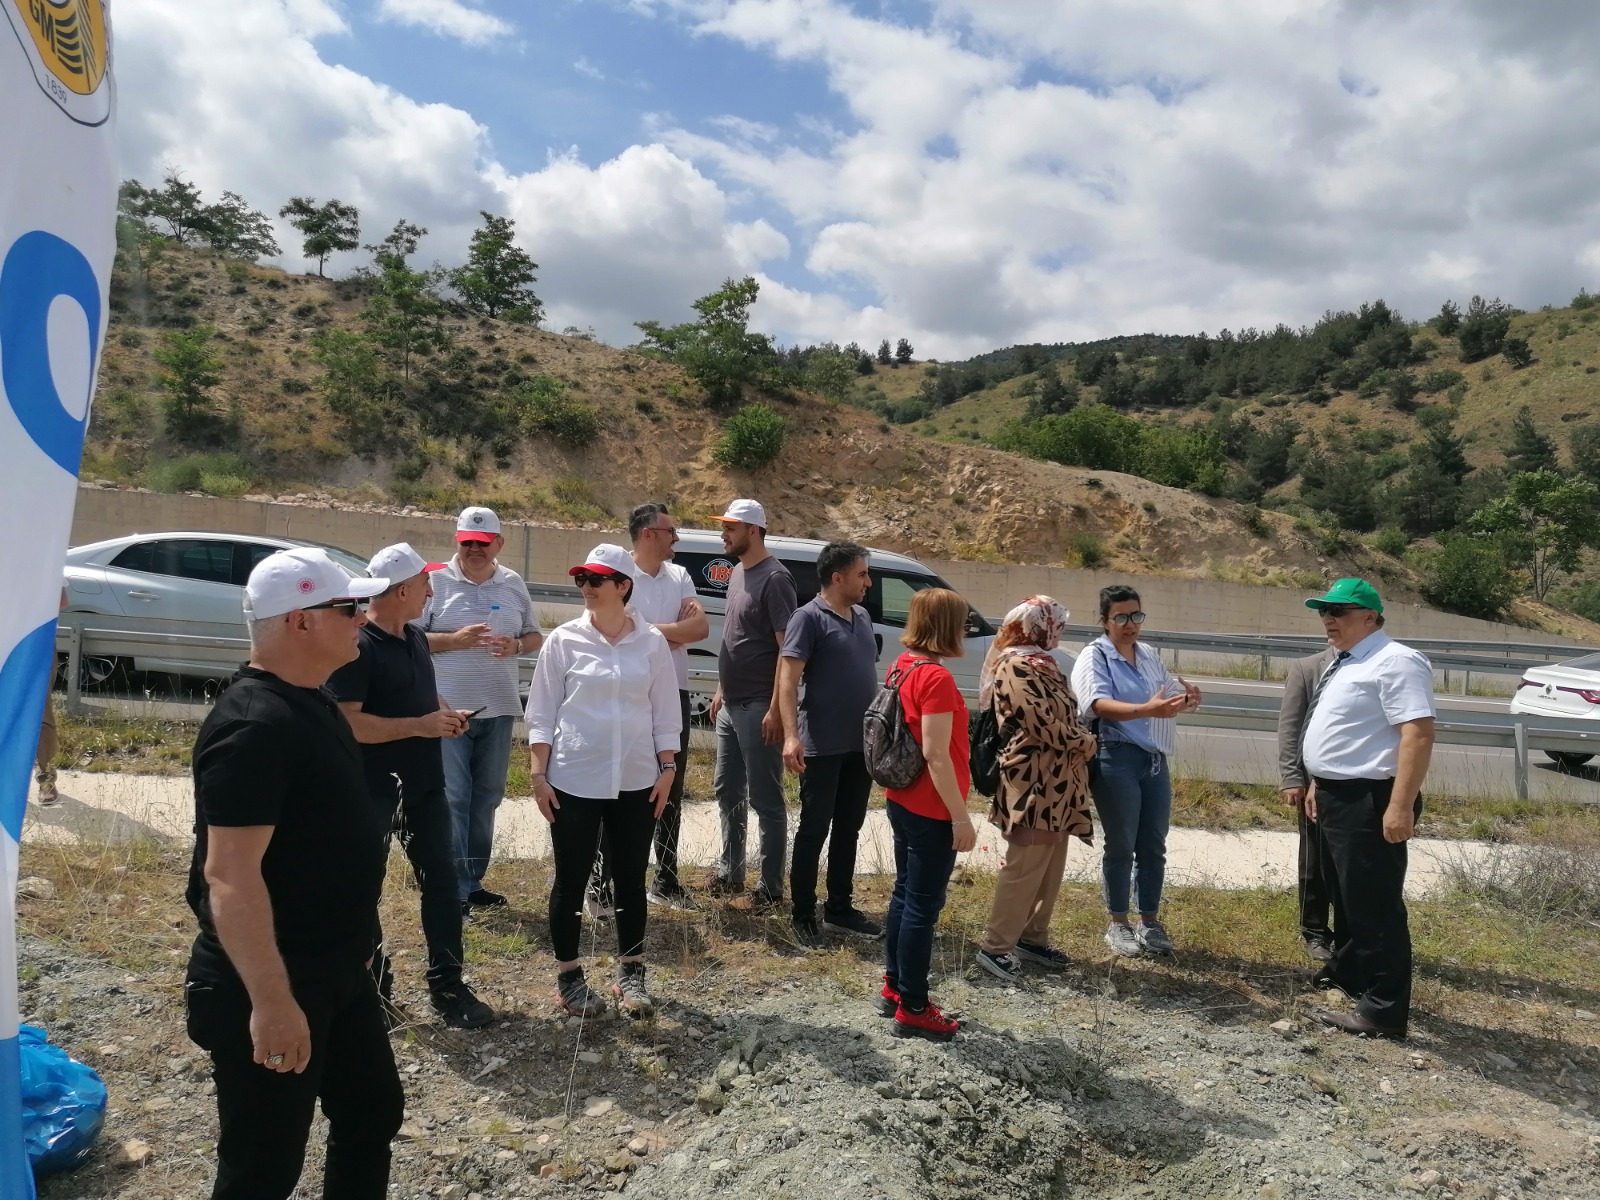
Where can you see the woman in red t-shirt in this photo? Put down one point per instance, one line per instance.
(929, 818)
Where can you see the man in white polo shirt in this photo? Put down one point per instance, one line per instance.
(1367, 747)
(478, 620)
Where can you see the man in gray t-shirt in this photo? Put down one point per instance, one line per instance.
(830, 647)
(749, 770)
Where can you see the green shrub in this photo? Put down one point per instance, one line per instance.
(1441, 379)
(293, 385)
(1391, 540)
(1468, 575)
(131, 338)
(547, 412)
(215, 483)
(1086, 550)
(751, 438)
(219, 474)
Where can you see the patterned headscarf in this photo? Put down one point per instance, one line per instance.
(1041, 621)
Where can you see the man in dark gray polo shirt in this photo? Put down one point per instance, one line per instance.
(830, 648)
(749, 772)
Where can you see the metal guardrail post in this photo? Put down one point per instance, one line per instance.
(1519, 757)
(1262, 673)
(75, 670)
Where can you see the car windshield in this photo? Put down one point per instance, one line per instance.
(1589, 662)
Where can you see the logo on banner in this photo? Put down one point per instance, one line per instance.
(718, 572)
(66, 44)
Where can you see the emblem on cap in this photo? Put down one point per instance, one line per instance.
(306, 587)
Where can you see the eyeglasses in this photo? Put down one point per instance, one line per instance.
(1122, 619)
(591, 579)
(1339, 610)
(347, 608)
(671, 530)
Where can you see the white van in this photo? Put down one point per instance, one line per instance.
(895, 579)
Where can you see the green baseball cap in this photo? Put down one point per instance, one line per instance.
(1350, 591)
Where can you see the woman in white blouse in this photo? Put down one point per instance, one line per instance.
(603, 727)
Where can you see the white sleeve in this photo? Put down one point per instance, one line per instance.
(547, 691)
(1405, 689)
(686, 588)
(666, 715)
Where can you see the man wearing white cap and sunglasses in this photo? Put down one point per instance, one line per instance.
(285, 879)
(479, 620)
(393, 704)
(749, 774)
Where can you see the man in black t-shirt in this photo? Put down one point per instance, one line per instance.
(393, 705)
(287, 871)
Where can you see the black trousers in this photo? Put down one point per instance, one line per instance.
(1367, 876)
(265, 1116)
(421, 817)
(669, 825)
(1315, 896)
(834, 789)
(629, 823)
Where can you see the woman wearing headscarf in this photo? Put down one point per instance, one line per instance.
(1043, 797)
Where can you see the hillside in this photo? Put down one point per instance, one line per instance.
(842, 471)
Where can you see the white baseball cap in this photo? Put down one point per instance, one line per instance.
(304, 577)
(748, 511)
(399, 563)
(606, 559)
(477, 524)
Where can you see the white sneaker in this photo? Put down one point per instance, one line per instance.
(1122, 940)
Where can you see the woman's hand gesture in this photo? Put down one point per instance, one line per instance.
(545, 797)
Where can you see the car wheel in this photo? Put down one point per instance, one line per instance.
(699, 710)
(95, 672)
(1565, 759)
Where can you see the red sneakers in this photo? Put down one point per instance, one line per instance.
(930, 1023)
(888, 999)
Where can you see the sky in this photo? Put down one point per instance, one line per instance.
(967, 174)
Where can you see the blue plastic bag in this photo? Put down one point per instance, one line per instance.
(63, 1104)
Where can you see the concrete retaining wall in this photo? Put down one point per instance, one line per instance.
(542, 554)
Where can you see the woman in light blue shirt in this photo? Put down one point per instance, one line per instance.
(1134, 699)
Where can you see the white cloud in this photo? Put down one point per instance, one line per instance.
(1007, 170)
(586, 68)
(448, 18)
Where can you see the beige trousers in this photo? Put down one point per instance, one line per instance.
(1025, 896)
(45, 760)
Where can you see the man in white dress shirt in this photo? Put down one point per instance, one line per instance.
(1367, 747)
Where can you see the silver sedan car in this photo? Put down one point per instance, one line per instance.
(192, 577)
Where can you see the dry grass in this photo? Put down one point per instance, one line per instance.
(1483, 957)
(108, 742)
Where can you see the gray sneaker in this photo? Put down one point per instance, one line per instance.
(1153, 937)
(1001, 966)
(577, 997)
(1122, 940)
(629, 990)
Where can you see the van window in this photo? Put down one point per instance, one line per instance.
(889, 600)
(711, 573)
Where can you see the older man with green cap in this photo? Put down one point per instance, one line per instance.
(1367, 744)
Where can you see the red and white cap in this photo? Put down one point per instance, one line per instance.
(303, 577)
(606, 559)
(399, 563)
(477, 524)
(748, 511)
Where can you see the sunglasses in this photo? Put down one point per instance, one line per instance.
(592, 579)
(348, 608)
(1122, 619)
(1339, 610)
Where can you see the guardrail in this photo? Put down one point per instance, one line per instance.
(90, 635)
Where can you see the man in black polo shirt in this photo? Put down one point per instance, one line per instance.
(287, 870)
(393, 705)
(830, 646)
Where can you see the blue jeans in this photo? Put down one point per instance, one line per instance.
(475, 766)
(749, 775)
(1133, 795)
(924, 856)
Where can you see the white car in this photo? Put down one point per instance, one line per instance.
(1565, 689)
(193, 577)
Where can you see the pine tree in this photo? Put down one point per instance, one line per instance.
(1530, 450)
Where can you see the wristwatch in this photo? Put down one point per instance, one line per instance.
(663, 768)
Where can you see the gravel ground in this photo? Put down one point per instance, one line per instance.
(1112, 1081)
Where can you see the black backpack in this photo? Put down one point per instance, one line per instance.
(893, 757)
(988, 740)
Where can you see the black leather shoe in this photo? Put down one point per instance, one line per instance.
(1357, 1024)
(1319, 949)
(484, 898)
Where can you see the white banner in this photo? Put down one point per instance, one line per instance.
(58, 197)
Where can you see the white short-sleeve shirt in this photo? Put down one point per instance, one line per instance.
(1352, 732)
(658, 599)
